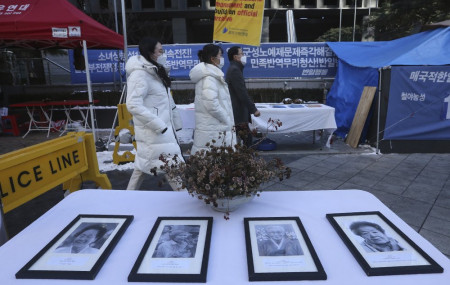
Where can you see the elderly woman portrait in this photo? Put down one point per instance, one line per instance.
(375, 238)
(83, 240)
(180, 244)
(278, 243)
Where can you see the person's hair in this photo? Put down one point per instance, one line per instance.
(147, 47)
(173, 234)
(232, 52)
(208, 51)
(101, 231)
(355, 227)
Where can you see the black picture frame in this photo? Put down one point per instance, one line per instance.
(158, 260)
(384, 249)
(297, 261)
(93, 236)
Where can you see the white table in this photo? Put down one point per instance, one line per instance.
(316, 117)
(295, 118)
(227, 262)
(187, 114)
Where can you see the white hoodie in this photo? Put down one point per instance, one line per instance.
(213, 109)
(153, 111)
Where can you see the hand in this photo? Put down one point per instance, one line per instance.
(257, 113)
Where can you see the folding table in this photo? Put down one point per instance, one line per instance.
(41, 113)
(40, 117)
(227, 258)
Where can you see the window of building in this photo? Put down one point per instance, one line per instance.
(104, 4)
(148, 4)
(128, 4)
(287, 3)
(194, 3)
(334, 3)
(351, 3)
(167, 4)
(212, 3)
(308, 3)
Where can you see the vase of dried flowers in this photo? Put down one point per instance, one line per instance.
(221, 173)
(229, 204)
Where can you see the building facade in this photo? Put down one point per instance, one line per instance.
(192, 21)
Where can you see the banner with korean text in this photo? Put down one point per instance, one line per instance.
(270, 60)
(238, 21)
(419, 103)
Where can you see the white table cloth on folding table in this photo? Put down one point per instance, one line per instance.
(295, 117)
(227, 260)
(187, 114)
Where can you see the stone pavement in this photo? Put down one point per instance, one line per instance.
(414, 186)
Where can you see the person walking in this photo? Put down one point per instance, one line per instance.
(155, 116)
(214, 119)
(243, 105)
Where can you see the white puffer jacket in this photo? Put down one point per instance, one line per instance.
(213, 109)
(153, 111)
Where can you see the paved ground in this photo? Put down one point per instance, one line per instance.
(415, 186)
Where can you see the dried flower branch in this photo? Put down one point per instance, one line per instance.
(223, 172)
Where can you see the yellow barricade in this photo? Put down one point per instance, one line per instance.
(125, 122)
(32, 171)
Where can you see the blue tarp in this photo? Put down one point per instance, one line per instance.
(359, 63)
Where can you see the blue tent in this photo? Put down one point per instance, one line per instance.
(359, 63)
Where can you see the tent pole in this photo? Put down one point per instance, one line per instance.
(88, 79)
(378, 117)
(354, 22)
(340, 19)
(115, 16)
(124, 23)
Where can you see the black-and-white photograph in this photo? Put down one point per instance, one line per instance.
(87, 238)
(379, 246)
(177, 241)
(375, 238)
(279, 249)
(79, 250)
(277, 240)
(177, 250)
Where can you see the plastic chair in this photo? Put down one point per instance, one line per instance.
(9, 125)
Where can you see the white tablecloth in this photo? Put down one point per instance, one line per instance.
(295, 118)
(227, 262)
(187, 113)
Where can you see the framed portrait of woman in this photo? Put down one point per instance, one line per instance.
(279, 249)
(177, 250)
(379, 246)
(79, 250)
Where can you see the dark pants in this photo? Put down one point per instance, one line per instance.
(244, 133)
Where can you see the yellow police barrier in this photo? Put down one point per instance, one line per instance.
(32, 171)
(125, 122)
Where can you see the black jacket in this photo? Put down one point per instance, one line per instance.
(243, 105)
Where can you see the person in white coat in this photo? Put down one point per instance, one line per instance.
(213, 110)
(155, 116)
